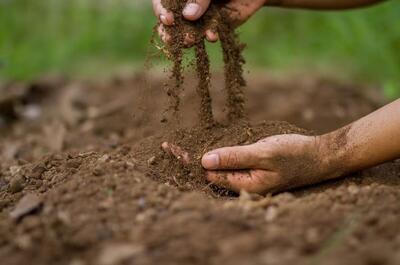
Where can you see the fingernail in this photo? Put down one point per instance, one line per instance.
(191, 10)
(163, 19)
(210, 161)
(165, 146)
(211, 36)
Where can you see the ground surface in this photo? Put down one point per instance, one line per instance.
(75, 190)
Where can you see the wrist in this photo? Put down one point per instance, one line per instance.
(334, 155)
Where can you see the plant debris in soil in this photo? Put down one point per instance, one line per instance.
(215, 19)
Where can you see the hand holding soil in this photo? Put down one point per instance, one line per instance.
(272, 164)
(238, 12)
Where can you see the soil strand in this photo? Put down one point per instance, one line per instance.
(215, 18)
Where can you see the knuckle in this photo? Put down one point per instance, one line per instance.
(232, 160)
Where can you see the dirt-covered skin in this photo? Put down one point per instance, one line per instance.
(87, 157)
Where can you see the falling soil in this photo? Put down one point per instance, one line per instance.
(216, 19)
(82, 195)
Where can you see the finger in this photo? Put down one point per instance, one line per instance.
(195, 9)
(237, 157)
(240, 11)
(255, 181)
(211, 36)
(176, 151)
(234, 181)
(165, 37)
(165, 16)
(189, 40)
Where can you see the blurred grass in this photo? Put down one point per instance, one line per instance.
(94, 36)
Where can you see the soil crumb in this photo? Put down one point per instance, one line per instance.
(196, 141)
(216, 19)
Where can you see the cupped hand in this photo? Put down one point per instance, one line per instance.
(273, 164)
(238, 11)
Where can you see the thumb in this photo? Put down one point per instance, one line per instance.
(195, 9)
(237, 157)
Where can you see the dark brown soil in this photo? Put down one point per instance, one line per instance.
(74, 184)
(216, 19)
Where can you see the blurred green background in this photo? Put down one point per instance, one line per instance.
(84, 37)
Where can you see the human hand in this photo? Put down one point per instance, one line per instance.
(273, 164)
(238, 11)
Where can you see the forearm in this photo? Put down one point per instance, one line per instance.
(370, 141)
(322, 4)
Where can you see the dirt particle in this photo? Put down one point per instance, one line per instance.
(16, 184)
(118, 253)
(353, 189)
(151, 160)
(98, 171)
(104, 158)
(23, 241)
(27, 205)
(37, 171)
(73, 164)
(14, 170)
(271, 213)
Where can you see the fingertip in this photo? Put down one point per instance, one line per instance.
(210, 161)
(212, 36)
(216, 178)
(223, 179)
(189, 39)
(165, 37)
(167, 18)
(210, 176)
(165, 146)
(192, 11)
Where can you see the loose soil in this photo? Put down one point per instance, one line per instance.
(217, 20)
(83, 181)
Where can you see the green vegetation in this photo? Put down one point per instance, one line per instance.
(85, 36)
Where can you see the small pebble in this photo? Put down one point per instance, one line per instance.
(16, 185)
(98, 171)
(15, 170)
(151, 160)
(28, 204)
(271, 213)
(141, 202)
(73, 164)
(353, 189)
(104, 158)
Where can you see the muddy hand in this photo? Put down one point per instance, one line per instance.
(273, 164)
(238, 10)
(176, 151)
